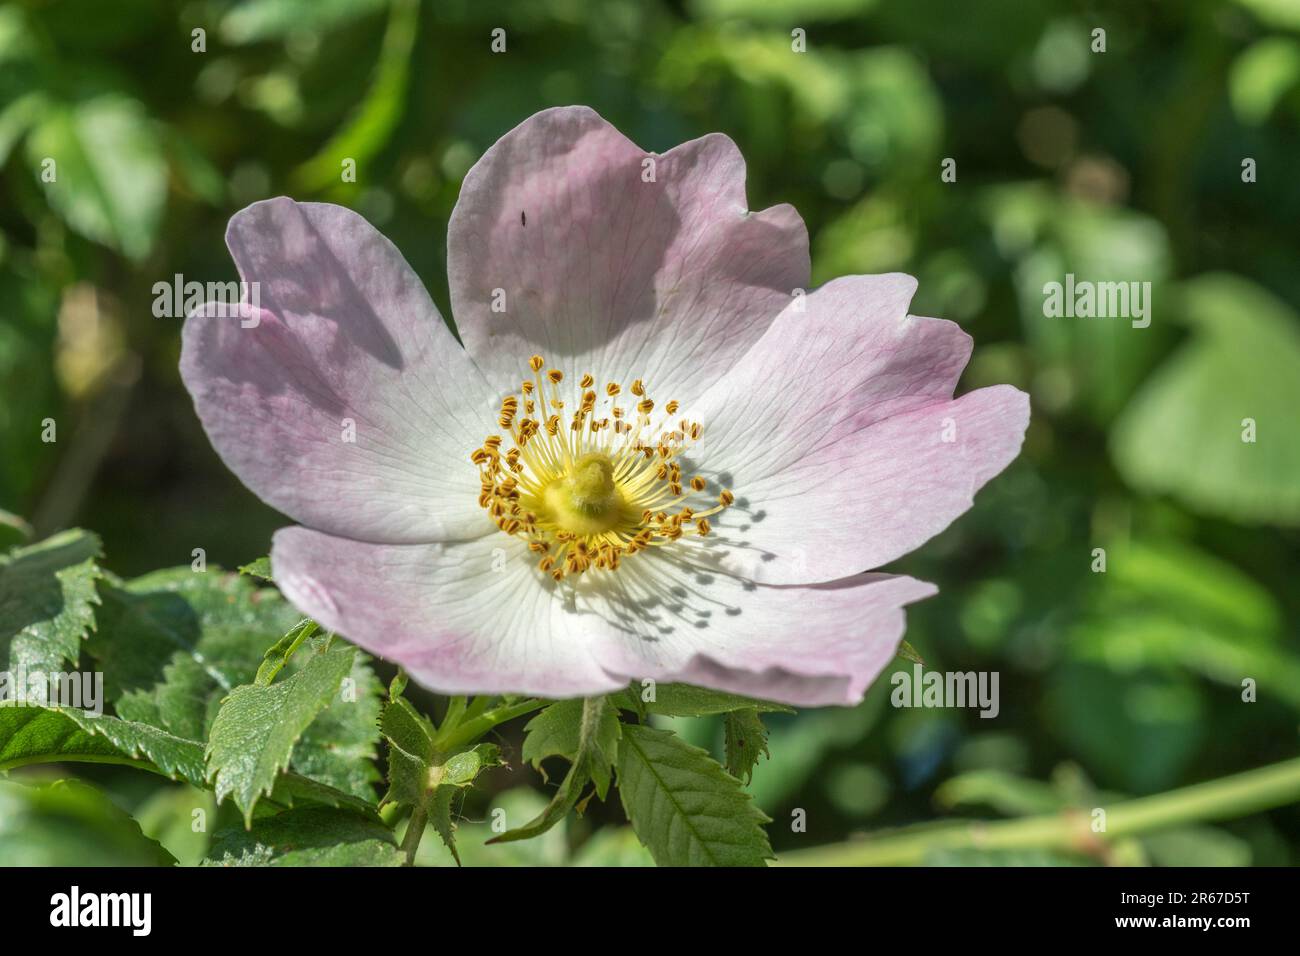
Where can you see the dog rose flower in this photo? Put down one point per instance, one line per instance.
(654, 455)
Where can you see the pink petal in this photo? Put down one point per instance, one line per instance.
(467, 617)
(669, 281)
(833, 433)
(346, 333)
(476, 617)
(806, 646)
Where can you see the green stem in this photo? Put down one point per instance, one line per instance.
(1222, 799)
(414, 832)
(455, 710)
(472, 730)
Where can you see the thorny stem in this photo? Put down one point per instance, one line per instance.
(463, 724)
(1222, 799)
(414, 832)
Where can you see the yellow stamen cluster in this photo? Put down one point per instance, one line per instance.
(592, 492)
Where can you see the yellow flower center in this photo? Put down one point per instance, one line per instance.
(606, 486)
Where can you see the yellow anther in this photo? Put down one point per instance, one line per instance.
(584, 500)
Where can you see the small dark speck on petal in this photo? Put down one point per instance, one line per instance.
(523, 218)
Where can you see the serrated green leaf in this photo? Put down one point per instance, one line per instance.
(421, 777)
(594, 756)
(47, 601)
(313, 836)
(70, 823)
(340, 746)
(260, 568)
(554, 732)
(440, 818)
(411, 751)
(683, 700)
(685, 808)
(282, 651)
(45, 734)
(745, 740)
(257, 727)
(173, 643)
(292, 789)
(30, 735)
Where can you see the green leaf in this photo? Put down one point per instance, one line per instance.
(1183, 433)
(32, 735)
(257, 726)
(170, 816)
(110, 175)
(745, 741)
(261, 568)
(292, 789)
(554, 732)
(280, 653)
(685, 808)
(45, 734)
(411, 751)
(683, 700)
(313, 836)
(173, 643)
(593, 757)
(69, 823)
(47, 602)
(340, 745)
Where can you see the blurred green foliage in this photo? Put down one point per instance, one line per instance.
(1116, 165)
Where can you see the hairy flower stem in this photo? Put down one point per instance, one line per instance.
(1222, 799)
(414, 832)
